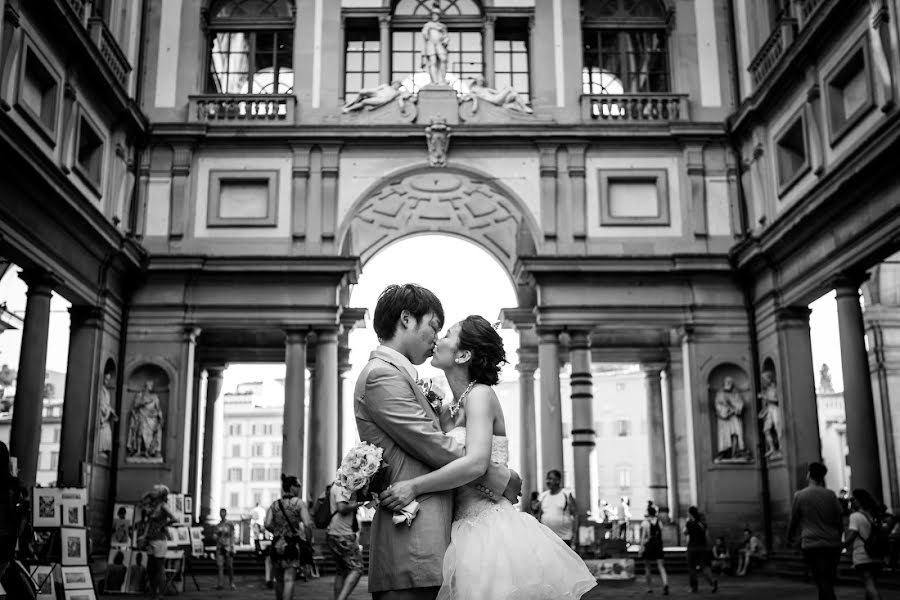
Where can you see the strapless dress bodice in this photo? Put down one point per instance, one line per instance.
(499, 445)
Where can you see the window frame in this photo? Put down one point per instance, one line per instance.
(804, 168)
(83, 116)
(252, 25)
(217, 176)
(47, 131)
(660, 177)
(841, 70)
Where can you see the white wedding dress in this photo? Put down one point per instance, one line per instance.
(499, 553)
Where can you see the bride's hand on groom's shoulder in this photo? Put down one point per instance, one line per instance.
(398, 495)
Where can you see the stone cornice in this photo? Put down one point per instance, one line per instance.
(338, 265)
(675, 264)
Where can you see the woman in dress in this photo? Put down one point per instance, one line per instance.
(158, 517)
(495, 551)
(652, 549)
(285, 518)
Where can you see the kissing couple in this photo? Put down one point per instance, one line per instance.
(467, 541)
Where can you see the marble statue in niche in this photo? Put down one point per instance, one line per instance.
(729, 407)
(770, 415)
(106, 415)
(145, 427)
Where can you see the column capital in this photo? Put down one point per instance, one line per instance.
(296, 336)
(653, 369)
(39, 281)
(792, 316)
(327, 334)
(86, 315)
(579, 339)
(548, 335)
(384, 21)
(190, 333)
(214, 371)
(848, 282)
(528, 359)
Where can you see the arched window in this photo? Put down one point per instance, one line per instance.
(251, 47)
(625, 46)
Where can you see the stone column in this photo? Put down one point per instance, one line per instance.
(292, 451)
(551, 412)
(195, 443)
(656, 434)
(488, 45)
(323, 413)
(862, 433)
(531, 479)
(384, 46)
(343, 367)
(583, 434)
(25, 435)
(80, 410)
(213, 388)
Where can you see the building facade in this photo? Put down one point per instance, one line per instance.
(657, 181)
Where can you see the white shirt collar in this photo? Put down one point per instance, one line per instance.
(401, 361)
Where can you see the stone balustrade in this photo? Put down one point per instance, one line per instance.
(635, 107)
(772, 50)
(804, 9)
(109, 49)
(262, 109)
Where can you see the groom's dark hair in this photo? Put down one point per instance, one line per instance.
(395, 299)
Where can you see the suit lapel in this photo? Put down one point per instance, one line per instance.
(416, 389)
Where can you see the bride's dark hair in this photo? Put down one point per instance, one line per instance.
(478, 337)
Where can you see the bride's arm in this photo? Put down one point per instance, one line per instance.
(479, 434)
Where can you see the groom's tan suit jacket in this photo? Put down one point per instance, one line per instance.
(393, 414)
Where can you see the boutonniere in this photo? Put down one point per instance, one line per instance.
(434, 396)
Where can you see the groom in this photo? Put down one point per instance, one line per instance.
(393, 414)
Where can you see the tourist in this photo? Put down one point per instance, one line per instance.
(286, 518)
(157, 518)
(697, 552)
(865, 511)
(751, 549)
(652, 549)
(625, 519)
(262, 539)
(342, 541)
(816, 515)
(558, 509)
(224, 550)
(721, 557)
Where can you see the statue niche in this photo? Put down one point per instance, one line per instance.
(148, 395)
(729, 394)
(770, 416)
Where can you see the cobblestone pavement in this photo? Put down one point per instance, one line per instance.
(752, 588)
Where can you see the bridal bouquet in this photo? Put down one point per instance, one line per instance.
(364, 472)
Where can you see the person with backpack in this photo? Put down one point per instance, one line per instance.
(286, 518)
(697, 550)
(867, 540)
(652, 549)
(341, 539)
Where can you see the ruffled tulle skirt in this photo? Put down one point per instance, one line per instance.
(499, 553)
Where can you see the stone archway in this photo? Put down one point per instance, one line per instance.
(452, 201)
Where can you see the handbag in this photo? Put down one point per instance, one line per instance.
(285, 547)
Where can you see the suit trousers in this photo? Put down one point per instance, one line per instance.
(423, 593)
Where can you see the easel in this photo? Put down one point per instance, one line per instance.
(188, 569)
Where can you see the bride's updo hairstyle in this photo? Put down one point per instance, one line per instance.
(478, 337)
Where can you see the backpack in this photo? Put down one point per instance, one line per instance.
(321, 510)
(878, 544)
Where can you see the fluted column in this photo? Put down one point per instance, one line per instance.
(656, 437)
(25, 436)
(323, 413)
(583, 434)
(551, 411)
(292, 446)
(862, 433)
(531, 479)
(213, 389)
(79, 421)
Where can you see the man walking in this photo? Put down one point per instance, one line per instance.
(697, 551)
(816, 513)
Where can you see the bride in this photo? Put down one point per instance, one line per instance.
(495, 551)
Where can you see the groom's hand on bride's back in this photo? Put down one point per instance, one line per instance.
(513, 488)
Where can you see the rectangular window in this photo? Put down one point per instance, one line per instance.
(234, 429)
(257, 497)
(38, 93)
(623, 427)
(848, 91)
(242, 198)
(634, 197)
(56, 435)
(625, 61)
(268, 429)
(235, 500)
(253, 429)
(790, 153)
(362, 56)
(256, 450)
(236, 450)
(276, 449)
(624, 477)
(89, 152)
(511, 55)
(54, 460)
(251, 62)
(235, 474)
(466, 59)
(257, 473)
(274, 474)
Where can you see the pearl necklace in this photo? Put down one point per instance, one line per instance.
(455, 406)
